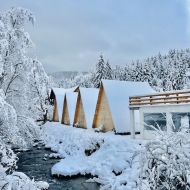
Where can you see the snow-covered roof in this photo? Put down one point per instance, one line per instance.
(117, 93)
(89, 98)
(71, 103)
(59, 94)
(61, 91)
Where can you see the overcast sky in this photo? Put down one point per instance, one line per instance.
(71, 34)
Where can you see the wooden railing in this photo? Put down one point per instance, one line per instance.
(160, 98)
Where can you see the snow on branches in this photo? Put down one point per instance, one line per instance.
(165, 162)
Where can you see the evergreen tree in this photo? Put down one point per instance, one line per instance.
(146, 72)
(108, 71)
(100, 71)
(138, 71)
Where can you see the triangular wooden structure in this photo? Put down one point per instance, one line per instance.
(56, 98)
(69, 107)
(85, 107)
(112, 110)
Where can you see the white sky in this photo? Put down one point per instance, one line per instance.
(71, 34)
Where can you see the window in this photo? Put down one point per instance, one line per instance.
(180, 120)
(155, 119)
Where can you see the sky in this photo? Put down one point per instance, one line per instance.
(70, 35)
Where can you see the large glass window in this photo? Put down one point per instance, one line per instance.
(155, 119)
(180, 121)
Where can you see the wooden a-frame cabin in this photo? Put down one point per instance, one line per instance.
(112, 106)
(69, 107)
(85, 107)
(56, 98)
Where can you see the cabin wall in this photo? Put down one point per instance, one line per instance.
(65, 115)
(79, 114)
(102, 114)
(55, 112)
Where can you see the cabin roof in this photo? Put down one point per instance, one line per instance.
(117, 94)
(89, 98)
(71, 98)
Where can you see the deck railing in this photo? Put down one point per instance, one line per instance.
(160, 98)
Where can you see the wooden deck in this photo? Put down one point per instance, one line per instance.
(177, 97)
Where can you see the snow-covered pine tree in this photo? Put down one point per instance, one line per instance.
(100, 72)
(181, 79)
(132, 72)
(138, 71)
(108, 71)
(126, 73)
(146, 72)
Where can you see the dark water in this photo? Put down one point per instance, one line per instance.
(32, 163)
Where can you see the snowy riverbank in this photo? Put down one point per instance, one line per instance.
(108, 157)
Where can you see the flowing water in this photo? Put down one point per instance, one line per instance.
(33, 164)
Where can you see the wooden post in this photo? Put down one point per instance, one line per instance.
(132, 123)
(150, 100)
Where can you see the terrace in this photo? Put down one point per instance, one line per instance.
(171, 108)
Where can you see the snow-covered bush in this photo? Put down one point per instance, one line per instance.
(15, 129)
(9, 132)
(7, 159)
(28, 131)
(166, 162)
(19, 181)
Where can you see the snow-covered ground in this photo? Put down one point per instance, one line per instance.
(112, 159)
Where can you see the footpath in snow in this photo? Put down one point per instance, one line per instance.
(112, 159)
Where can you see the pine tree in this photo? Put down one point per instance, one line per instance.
(108, 71)
(100, 71)
(138, 71)
(146, 72)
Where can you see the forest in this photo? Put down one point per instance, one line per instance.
(168, 72)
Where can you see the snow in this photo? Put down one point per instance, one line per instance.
(71, 98)
(117, 93)
(89, 98)
(115, 161)
(59, 94)
(188, 73)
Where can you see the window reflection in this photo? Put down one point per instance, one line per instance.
(180, 120)
(155, 119)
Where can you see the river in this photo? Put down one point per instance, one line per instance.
(33, 164)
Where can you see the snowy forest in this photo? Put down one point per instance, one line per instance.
(166, 72)
(25, 108)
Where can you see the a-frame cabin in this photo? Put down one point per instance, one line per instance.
(85, 107)
(57, 98)
(69, 107)
(112, 106)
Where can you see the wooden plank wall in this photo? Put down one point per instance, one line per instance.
(55, 112)
(102, 114)
(65, 115)
(79, 113)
